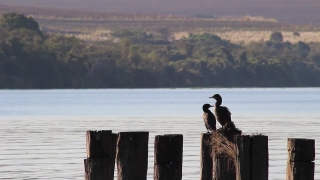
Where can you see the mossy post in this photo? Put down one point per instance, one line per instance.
(101, 151)
(168, 156)
(205, 157)
(132, 155)
(301, 156)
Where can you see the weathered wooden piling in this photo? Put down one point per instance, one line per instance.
(223, 157)
(205, 157)
(168, 157)
(301, 156)
(223, 169)
(259, 157)
(132, 155)
(101, 151)
(239, 157)
(243, 161)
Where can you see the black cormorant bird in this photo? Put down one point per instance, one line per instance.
(221, 113)
(208, 118)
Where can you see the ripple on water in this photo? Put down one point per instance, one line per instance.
(54, 148)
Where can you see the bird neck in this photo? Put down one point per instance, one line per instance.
(206, 110)
(218, 103)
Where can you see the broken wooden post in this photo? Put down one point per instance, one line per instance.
(101, 151)
(259, 157)
(168, 151)
(132, 155)
(301, 154)
(243, 161)
(205, 157)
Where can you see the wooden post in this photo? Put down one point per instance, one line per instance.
(301, 154)
(114, 141)
(259, 157)
(168, 155)
(222, 169)
(205, 158)
(240, 157)
(132, 155)
(101, 151)
(98, 169)
(243, 161)
(223, 157)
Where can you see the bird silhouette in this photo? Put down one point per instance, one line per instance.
(222, 113)
(208, 118)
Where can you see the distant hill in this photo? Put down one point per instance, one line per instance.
(288, 11)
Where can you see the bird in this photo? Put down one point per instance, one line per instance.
(222, 113)
(208, 118)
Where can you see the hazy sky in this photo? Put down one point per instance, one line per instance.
(291, 11)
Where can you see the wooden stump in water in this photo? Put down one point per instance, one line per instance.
(101, 151)
(243, 162)
(206, 158)
(99, 169)
(301, 150)
(301, 154)
(223, 157)
(240, 157)
(259, 157)
(168, 156)
(223, 169)
(300, 171)
(132, 155)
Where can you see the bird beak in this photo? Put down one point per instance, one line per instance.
(211, 97)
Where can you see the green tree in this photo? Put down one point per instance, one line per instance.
(276, 36)
(303, 46)
(11, 21)
(227, 54)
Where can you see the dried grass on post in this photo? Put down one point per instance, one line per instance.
(223, 148)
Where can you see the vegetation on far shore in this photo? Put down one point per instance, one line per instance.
(97, 25)
(31, 58)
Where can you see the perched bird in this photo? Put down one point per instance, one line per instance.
(221, 113)
(208, 118)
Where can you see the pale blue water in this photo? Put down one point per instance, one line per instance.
(42, 132)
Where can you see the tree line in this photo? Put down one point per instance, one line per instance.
(30, 58)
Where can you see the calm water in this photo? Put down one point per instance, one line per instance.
(42, 132)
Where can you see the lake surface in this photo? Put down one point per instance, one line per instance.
(42, 132)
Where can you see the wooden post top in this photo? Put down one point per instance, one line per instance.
(129, 132)
(100, 144)
(301, 150)
(168, 148)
